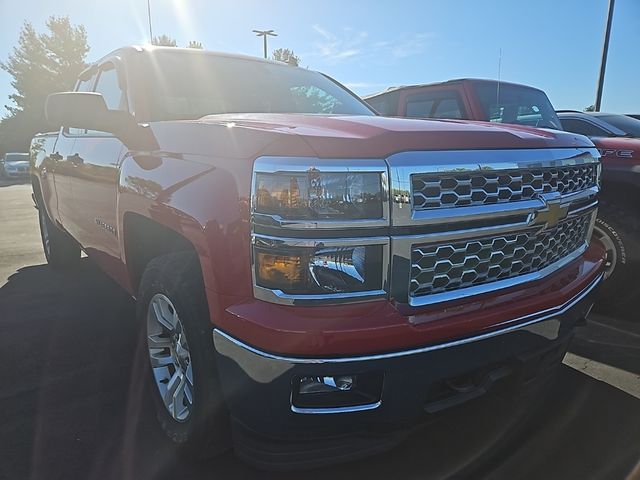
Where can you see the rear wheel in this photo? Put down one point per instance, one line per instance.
(60, 250)
(174, 318)
(618, 229)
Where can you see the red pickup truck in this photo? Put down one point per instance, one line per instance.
(618, 223)
(314, 275)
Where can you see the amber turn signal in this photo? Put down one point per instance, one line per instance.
(278, 269)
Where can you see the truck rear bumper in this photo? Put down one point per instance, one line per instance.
(275, 426)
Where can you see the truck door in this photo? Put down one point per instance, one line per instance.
(97, 156)
(64, 164)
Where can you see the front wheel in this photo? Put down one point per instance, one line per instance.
(618, 229)
(174, 318)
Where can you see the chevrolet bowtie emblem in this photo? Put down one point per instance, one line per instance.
(551, 214)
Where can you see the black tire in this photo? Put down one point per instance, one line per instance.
(205, 432)
(60, 250)
(618, 228)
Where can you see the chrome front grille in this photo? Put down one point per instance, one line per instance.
(466, 226)
(460, 189)
(454, 265)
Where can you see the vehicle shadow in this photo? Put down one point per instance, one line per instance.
(612, 342)
(73, 406)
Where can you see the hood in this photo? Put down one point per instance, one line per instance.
(332, 136)
(17, 163)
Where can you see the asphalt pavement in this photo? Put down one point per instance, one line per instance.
(72, 406)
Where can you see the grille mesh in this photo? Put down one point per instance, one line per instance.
(444, 267)
(442, 190)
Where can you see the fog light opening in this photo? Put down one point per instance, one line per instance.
(336, 391)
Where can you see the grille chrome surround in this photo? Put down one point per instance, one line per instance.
(407, 227)
(455, 265)
(453, 189)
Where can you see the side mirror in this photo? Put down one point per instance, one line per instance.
(89, 110)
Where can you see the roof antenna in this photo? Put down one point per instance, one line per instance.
(498, 87)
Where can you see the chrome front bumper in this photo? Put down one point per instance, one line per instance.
(258, 385)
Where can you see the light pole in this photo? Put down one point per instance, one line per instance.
(149, 15)
(605, 51)
(264, 34)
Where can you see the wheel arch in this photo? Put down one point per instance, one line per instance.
(144, 239)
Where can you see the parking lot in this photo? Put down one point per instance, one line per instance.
(72, 403)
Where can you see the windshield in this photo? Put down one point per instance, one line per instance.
(16, 157)
(190, 86)
(628, 125)
(505, 103)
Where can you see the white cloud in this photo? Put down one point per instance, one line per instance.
(334, 48)
(410, 45)
(348, 43)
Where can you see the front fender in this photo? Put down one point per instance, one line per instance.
(204, 199)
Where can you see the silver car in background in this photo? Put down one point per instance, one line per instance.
(15, 165)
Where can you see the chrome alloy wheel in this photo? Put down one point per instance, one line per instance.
(170, 357)
(610, 248)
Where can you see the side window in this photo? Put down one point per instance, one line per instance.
(583, 128)
(109, 86)
(386, 104)
(437, 104)
(85, 85)
(448, 108)
(418, 108)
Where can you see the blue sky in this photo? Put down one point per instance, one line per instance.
(551, 44)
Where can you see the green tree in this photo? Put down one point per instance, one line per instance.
(164, 41)
(40, 64)
(287, 56)
(590, 108)
(194, 44)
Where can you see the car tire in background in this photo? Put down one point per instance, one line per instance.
(618, 229)
(176, 337)
(60, 250)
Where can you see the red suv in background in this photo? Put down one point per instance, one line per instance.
(618, 223)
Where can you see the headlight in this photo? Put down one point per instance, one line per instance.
(305, 217)
(317, 269)
(314, 195)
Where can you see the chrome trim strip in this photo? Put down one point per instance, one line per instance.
(434, 161)
(325, 165)
(279, 222)
(476, 212)
(278, 296)
(331, 410)
(269, 164)
(539, 317)
(276, 242)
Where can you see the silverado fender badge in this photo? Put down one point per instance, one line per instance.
(109, 228)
